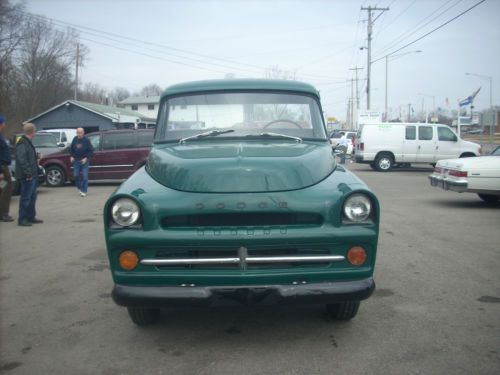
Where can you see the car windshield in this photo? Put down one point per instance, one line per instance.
(496, 151)
(44, 140)
(230, 115)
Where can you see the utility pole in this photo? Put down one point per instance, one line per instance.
(409, 112)
(355, 118)
(76, 70)
(369, 58)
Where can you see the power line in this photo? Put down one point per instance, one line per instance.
(410, 32)
(395, 18)
(107, 34)
(430, 32)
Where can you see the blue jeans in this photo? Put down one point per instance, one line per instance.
(82, 182)
(27, 200)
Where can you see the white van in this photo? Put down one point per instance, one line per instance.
(64, 136)
(386, 145)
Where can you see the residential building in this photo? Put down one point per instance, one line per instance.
(145, 105)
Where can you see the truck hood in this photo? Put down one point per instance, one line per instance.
(241, 167)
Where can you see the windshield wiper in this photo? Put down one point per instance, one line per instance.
(275, 135)
(212, 133)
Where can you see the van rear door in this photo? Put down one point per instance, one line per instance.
(426, 144)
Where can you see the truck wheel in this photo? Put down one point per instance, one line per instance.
(489, 198)
(142, 316)
(373, 166)
(55, 176)
(343, 310)
(384, 162)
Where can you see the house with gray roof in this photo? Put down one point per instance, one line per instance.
(90, 116)
(146, 105)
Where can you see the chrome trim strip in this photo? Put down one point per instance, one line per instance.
(112, 166)
(171, 262)
(284, 259)
(313, 258)
(108, 166)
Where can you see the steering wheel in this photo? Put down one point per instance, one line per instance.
(281, 120)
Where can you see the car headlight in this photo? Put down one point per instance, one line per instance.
(125, 212)
(357, 208)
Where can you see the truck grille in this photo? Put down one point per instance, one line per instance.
(241, 219)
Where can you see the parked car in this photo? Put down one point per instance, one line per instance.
(472, 175)
(64, 137)
(117, 154)
(251, 209)
(351, 140)
(45, 143)
(386, 145)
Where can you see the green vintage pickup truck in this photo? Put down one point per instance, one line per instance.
(241, 201)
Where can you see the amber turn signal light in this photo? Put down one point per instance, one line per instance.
(128, 260)
(356, 255)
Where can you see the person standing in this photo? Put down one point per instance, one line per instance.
(344, 143)
(81, 151)
(27, 174)
(6, 181)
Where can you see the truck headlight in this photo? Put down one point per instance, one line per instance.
(357, 208)
(125, 212)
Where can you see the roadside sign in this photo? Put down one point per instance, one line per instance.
(369, 117)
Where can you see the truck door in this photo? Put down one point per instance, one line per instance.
(426, 145)
(410, 144)
(447, 146)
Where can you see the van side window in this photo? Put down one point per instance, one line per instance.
(145, 139)
(411, 132)
(115, 141)
(445, 134)
(425, 133)
(95, 141)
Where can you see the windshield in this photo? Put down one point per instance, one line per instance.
(230, 115)
(44, 140)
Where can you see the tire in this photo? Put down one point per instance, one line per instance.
(489, 198)
(384, 162)
(343, 310)
(142, 316)
(55, 176)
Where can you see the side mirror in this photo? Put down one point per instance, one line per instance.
(61, 144)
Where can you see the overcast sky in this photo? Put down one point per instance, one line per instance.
(319, 40)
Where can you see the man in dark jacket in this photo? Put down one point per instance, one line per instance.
(27, 173)
(81, 151)
(6, 178)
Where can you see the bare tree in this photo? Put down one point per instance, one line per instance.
(118, 94)
(93, 93)
(36, 63)
(11, 35)
(151, 90)
(275, 72)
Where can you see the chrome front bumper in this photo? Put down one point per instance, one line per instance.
(446, 183)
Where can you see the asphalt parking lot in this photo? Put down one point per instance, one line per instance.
(436, 309)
